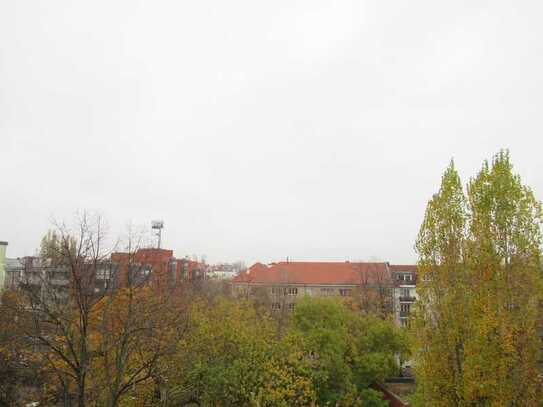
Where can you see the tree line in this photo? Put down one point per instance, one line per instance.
(187, 344)
(475, 336)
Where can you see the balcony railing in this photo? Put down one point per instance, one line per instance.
(404, 314)
(407, 298)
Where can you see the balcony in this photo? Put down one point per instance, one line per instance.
(407, 298)
(404, 314)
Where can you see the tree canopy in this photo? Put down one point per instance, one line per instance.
(328, 354)
(477, 324)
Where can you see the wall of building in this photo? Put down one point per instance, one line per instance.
(3, 247)
(405, 294)
(280, 296)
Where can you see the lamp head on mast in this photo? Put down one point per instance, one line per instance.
(158, 225)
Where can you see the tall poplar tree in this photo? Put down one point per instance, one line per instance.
(480, 290)
(440, 317)
(504, 260)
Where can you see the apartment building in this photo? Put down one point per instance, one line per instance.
(49, 282)
(280, 284)
(405, 291)
(157, 267)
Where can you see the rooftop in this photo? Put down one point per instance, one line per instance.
(316, 273)
(403, 268)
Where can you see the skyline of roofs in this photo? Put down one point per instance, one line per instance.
(322, 273)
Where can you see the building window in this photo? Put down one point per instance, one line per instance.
(408, 277)
(292, 291)
(327, 291)
(345, 292)
(404, 322)
(276, 306)
(405, 308)
(103, 274)
(291, 306)
(405, 292)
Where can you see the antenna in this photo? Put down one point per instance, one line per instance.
(158, 225)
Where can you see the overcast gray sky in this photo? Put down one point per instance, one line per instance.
(260, 129)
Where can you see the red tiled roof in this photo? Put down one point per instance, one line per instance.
(403, 267)
(317, 273)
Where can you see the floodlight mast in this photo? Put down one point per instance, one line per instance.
(158, 225)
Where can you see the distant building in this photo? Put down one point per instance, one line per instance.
(157, 267)
(3, 246)
(282, 283)
(12, 271)
(221, 274)
(405, 291)
(225, 271)
(51, 282)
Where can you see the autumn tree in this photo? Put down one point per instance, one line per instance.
(95, 341)
(348, 350)
(59, 301)
(223, 355)
(504, 262)
(237, 359)
(133, 330)
(53, 247)
(440, 322)
(329, 354)
(19, 378)
(480, 289)
(374, 291)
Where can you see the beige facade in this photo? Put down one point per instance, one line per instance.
(281, 296)
(405, 294)
(3, 247)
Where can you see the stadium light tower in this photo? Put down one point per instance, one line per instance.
(158, 225)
